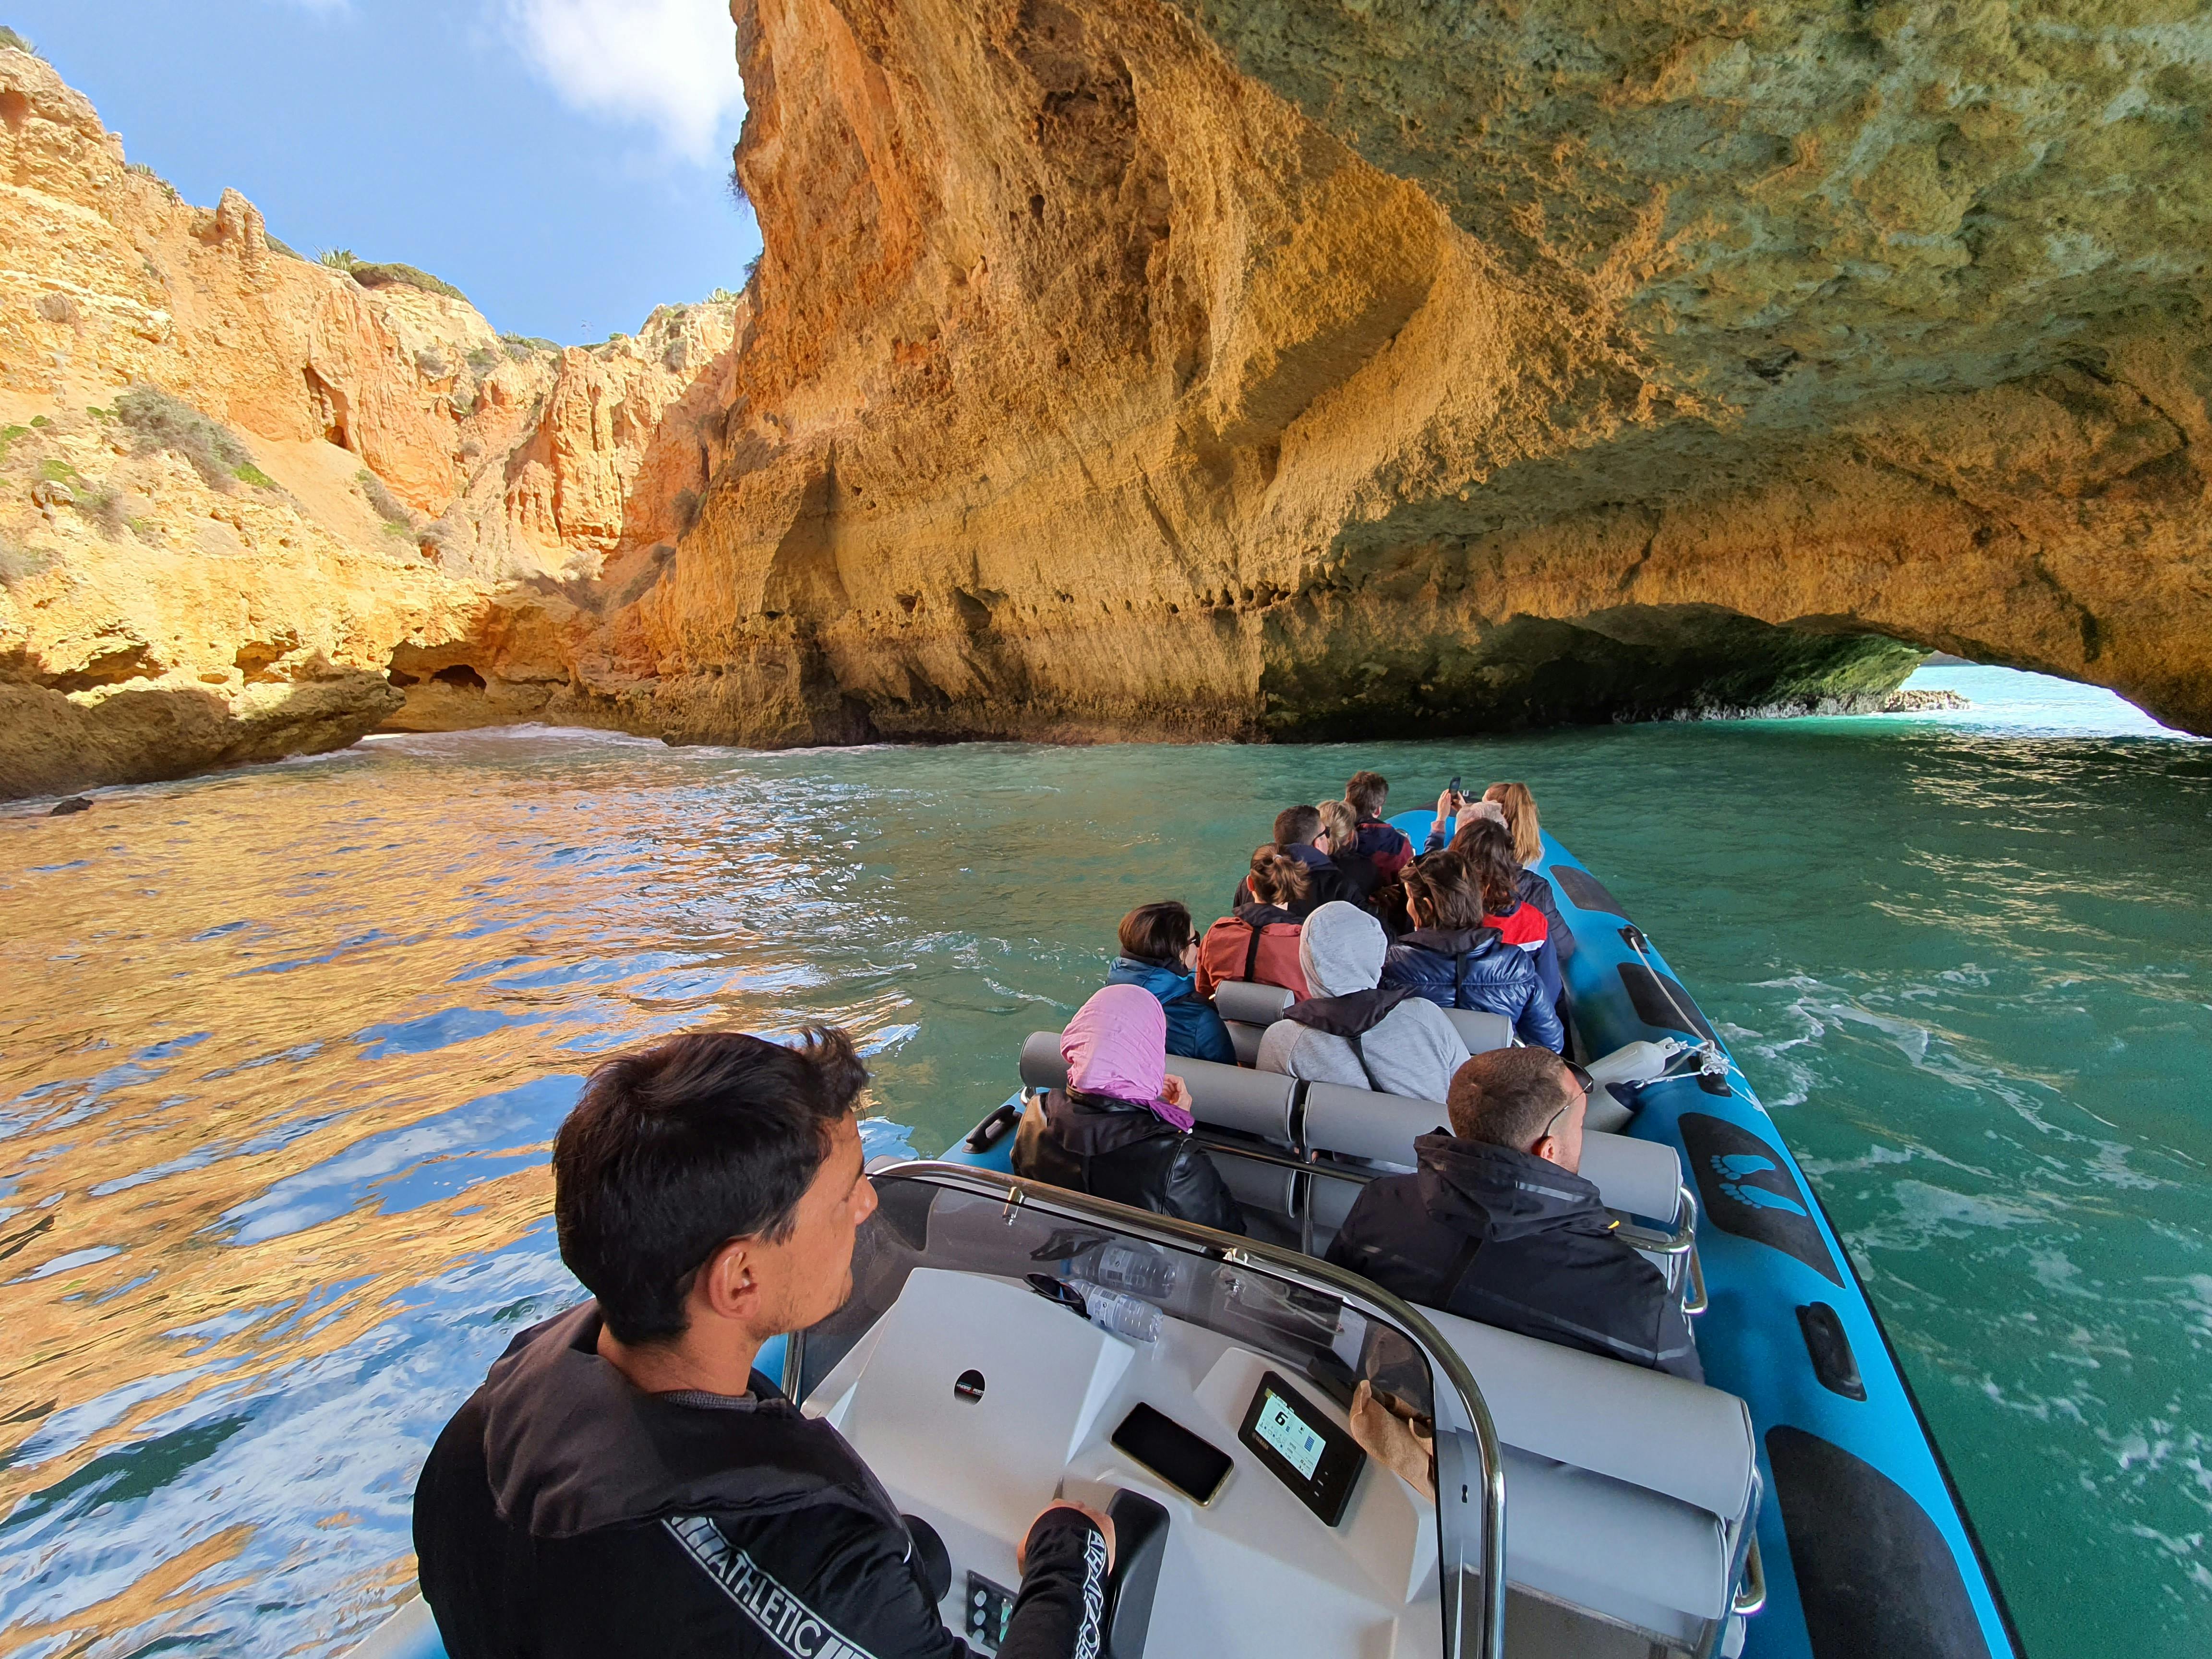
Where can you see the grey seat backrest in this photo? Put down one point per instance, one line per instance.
(1688, 1441)
(1250, 1001)
(1643, 1177)
(1245, 1040)
(1640, 1177)
(1360, 1123)
(1222, 1096)
(1480, 1032)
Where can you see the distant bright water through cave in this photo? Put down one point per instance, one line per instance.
(281, 1051)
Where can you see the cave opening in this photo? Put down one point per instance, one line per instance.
(460, 675)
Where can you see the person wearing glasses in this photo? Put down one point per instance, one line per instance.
(1497, 1227)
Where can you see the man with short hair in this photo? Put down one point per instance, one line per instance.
(1390, 852)
(624, 1482)
(1299, 833)
(1497, 1225)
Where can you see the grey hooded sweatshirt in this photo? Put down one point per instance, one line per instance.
(1413, 1051)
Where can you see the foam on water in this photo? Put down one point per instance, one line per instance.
(285, 1047)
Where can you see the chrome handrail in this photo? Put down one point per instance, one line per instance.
(1017, 1192)
(1671, 1244)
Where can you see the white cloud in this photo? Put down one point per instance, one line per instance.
(667, 64)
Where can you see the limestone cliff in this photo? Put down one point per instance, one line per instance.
(241, 493)
(1228, 367)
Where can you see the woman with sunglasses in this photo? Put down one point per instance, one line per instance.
(1497, 1225)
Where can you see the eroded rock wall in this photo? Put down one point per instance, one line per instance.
(386, 481)
(1132, 369)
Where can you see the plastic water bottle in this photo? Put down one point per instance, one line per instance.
(1124, 1316)
(1125, 1267)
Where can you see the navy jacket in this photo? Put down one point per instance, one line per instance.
(1194, 1028)
(1508, 1239)
(1474, 967)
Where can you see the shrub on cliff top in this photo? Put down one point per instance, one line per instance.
(159, 421)
(10, 38)
(370, 274)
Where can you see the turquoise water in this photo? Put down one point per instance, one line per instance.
(281, 1048)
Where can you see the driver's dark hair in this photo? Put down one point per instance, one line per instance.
(1294, 825)
(1506, 1096)
(679, 1145)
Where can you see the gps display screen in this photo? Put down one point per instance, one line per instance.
(1302, 1447)
(1281, 1427)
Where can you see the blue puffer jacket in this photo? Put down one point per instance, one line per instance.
(1194, 1028)
(1474, 967)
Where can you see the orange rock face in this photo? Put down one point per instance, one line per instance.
(1217, 369)
(343, 482)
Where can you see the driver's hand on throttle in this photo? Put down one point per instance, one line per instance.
(1098, 1518)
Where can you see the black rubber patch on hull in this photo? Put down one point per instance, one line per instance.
(1584, 891)
(1662, 1002)
(1874, 1575)
(1746, 1190)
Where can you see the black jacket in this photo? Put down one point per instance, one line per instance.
(1111, 1149)
(565, 1515)
(1511, 1240)
(1472, 968)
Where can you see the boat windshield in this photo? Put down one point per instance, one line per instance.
(1217, 1301)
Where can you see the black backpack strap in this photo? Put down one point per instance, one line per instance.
(1252, 950)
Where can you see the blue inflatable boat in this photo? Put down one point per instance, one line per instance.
(1313, 1467)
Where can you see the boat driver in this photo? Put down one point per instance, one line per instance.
(624, 1482)
(1497, 1226)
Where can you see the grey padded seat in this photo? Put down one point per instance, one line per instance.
(1222, 1096)
(1250, 1002)
(1626, 1488)
(1637, 1177)
(1248, 1008)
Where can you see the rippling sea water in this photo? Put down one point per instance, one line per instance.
(281, 1051)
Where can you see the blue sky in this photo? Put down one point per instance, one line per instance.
(563, 162)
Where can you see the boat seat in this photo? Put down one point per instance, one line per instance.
(1637, 1177)
(1627, 1487)
(1251, 1001)
(1248, 1007)
(1222, 1096)
(1481, 1031)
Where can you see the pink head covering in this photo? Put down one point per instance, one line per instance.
(1116, 1046)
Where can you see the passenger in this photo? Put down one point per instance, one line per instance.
(1455, 814)
(1121, 1129)
(1352, 1030)
(1519, 806)
(1159, 952)
(1382, 846)
(624, 1481)
(1486, 850)
(1298, 833)
(1455, 962)
(1357, 878)
(1261, 941)
(1497, 1226)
